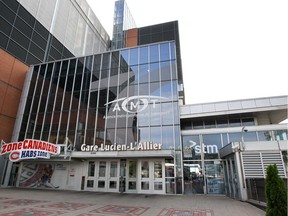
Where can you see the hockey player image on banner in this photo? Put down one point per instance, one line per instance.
(37, 176)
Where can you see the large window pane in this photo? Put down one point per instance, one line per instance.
(211, 145)
(154, 72)
(133, 56)
(143, 55)
(191, 147)
(164, 52)
(154, 53)
(167, 137)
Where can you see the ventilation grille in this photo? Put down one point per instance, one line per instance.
(255, 163)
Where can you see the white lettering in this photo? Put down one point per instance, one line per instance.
(116, 107)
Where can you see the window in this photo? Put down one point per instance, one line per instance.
(91, 168)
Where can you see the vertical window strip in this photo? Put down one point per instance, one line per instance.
(47, 100)
(39, 102)
(62, 104)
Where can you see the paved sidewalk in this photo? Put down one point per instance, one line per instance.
(35, 202)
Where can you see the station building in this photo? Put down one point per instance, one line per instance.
(115, 120)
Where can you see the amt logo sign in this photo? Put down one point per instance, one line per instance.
(135, 103)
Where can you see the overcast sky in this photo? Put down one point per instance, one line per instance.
(231, 49)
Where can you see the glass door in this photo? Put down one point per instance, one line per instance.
(145, 177)
(132, 176)
(108, 176)
(193, 178)
(152, 176)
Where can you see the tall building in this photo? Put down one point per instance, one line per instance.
(115, 120)
(123, 20)
(39, 31)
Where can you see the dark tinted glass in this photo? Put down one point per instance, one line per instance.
(6, 13)
(41, 30)
(3, 40)
(169, 35)
(54, 53)
(23, 27)
(37, 39)
(20, 38)
(12, 4)
(32, 59)
(5, 26)
(26, 16)
(156, 38)
(35, 50)
(56, 44)
(16, 50)
(144, 39)
(66, 53)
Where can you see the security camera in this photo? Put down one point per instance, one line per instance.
(244, 129)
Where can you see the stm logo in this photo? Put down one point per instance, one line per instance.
(135, 104)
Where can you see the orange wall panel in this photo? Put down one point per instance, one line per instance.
(11, 102)
(12, 76)
(132, 37)
(132, 32)
(6, 65)
(3, 89)
(18, 74)
(131, 42)
(6, 128)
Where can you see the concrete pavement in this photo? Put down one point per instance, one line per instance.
(28, 202)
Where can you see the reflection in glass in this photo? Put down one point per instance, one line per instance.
(167, 137)
(102, 169)
(166, 90)
(143, 55)
(132, 185)
(154, 53)
(144, 169)
(101, 184)
(165, 71)
(91, 168)
(264, 135)
(193, 178)
(280, 135)
(156, 135)
(113, 184)
(155, 116)
(154, 72)
(133, 56)
(167, 113)
(158, 169)
(132, 169)
(144, 185)
(191, 147)
(144, 134)
(113, 168)
(214, 177)
(90, 183)
(211, 145)
(158, 185)
(164, 52)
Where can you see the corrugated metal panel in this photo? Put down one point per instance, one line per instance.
(255, 163)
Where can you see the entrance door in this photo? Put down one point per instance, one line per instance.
(108, 176)
(151, 176)
(193, 178)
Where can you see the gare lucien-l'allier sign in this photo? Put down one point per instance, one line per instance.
(144, 146)
(29, 149)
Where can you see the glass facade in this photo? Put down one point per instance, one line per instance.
(123, 20)
(123, 97)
